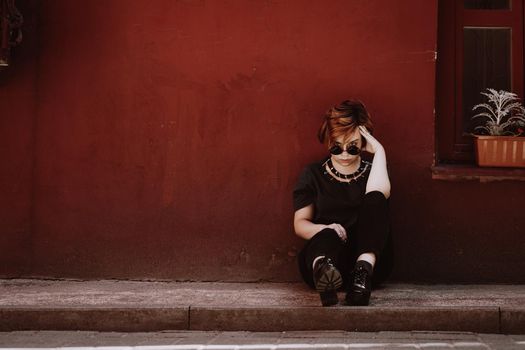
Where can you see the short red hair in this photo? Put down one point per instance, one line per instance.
(342, 120)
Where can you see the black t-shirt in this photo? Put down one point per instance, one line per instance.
(334, 201)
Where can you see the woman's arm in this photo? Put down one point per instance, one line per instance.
(378, 179)
(305, 228)
(303, 225)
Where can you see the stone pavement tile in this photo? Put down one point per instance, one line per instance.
(374, 335)
(503, 341)
(372, 344)
(448, 343)
(295, 340)
(41, 338)
(253, 347)
(153, 338)
(329, 347)
(313, 337)
(141, 338)
(338, 340)
(202, 338)
(496, 338)
(272, 339)
(469, 346)
(338, 337)
(444, 336)
(175, 334)
(393, 335)
(270, 335)
(177, 347)
(18, 339)
(185, 333)
(383, 347)
(290, 343)
(242, 338)
(86, 338)
(315, 334)
(90, 339)
(379, 342)
(80, 339)
(504, 347)
(371, 347)
(262, 340)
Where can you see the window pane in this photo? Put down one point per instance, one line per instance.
(487, 4)
(486, 64)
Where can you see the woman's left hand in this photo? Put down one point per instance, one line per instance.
(372, 145)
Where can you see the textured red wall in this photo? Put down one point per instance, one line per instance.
(169, 135)
(17, 113)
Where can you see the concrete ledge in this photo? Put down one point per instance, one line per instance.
(367, 319)
(513, 320)
(94, 319)
(113, 305)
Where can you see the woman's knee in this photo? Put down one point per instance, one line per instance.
(375, 200)
(326, 233)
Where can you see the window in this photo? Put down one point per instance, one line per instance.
(480, 45)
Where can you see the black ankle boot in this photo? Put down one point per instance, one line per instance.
(327, 280)
(360, 287)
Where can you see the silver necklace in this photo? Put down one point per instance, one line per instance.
(363, 167)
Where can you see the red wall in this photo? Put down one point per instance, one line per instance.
(17, 114)
(169, 134)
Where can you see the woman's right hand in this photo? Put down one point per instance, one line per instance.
(372, 145)
(305, 228)
(341, 232)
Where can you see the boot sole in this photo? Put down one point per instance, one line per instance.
(330, 280)
(327, 287)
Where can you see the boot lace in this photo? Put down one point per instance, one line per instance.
(360, 277)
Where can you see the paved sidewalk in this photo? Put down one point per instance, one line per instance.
(109, 305)
(256, 340)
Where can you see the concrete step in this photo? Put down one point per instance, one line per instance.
(113, 305)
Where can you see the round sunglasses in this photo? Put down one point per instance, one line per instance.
(352, 149)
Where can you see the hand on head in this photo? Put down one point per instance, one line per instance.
(372, 145)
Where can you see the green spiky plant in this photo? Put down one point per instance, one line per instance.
(504, 114)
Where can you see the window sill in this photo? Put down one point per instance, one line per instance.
(467, 172)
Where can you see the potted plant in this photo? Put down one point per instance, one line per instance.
(497, 140)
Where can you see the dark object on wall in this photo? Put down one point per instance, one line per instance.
(10, 29)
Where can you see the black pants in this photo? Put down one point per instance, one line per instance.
(371, 235)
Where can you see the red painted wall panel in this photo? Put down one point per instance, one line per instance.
(170, 134)
(17, 113)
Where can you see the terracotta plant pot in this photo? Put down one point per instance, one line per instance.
(500, 151)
